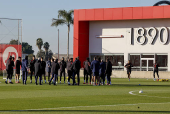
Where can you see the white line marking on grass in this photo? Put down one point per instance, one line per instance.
(132, 93)
(94, 106)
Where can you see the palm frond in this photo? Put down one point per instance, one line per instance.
(57, 22)
(62, 14)
(71, 12)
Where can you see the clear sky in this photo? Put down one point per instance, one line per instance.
(37, 17)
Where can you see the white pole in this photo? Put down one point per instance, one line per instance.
(21, 45)
(58, 44)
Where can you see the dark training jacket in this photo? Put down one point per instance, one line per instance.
(128, 66)
(76, 66)
(38, 68)
(43, 66)
(108, 67)
(102, 67)
(62, 65)
(95, 66)
(87, 67)
(8, 64)
(48, 66)
(32, 68)
(54, 67)
(69, 66)
(18, 64)
(24, 65)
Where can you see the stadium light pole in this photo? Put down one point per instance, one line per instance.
(18, 34)
(21, 35)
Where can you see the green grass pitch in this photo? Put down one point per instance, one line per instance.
(122, 97)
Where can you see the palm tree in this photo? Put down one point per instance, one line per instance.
(46, 47)
(66, 18)
(39, 43)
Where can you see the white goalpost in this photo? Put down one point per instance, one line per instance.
(10, 35)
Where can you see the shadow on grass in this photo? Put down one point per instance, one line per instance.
(123, 111)
(139, 85)
(125, 85)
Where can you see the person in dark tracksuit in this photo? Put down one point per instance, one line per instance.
(18, 64)
(9, 70)
(62, 69)
(43, 65)
(68, 60)
(108, 71)
(54, 70)
(12, 70)
(102, 71)
(24, 70)
(156, 70)
(95, 69)
(88, 70)
(79, 67)
(48, 68)
(38, 69)
(76, 69)
(32, 68)
(85, 72)
(69, 69)
(129, 67)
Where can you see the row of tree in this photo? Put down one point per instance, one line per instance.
(27, 48)
(64, 17)
(41, 53)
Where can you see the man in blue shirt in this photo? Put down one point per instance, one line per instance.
(24, 69)
(102, 71)
(95, 69)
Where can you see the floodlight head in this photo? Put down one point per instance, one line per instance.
(162, 2)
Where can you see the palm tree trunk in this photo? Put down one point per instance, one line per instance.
(45, 55)
(68, 42)
(39, 51)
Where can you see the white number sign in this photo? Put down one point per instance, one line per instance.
(141, 36)
(151, 35)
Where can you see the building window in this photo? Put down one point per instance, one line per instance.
(117, 60)
(135, 60)
(162, 60)
(147, 56)
(97, 56)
